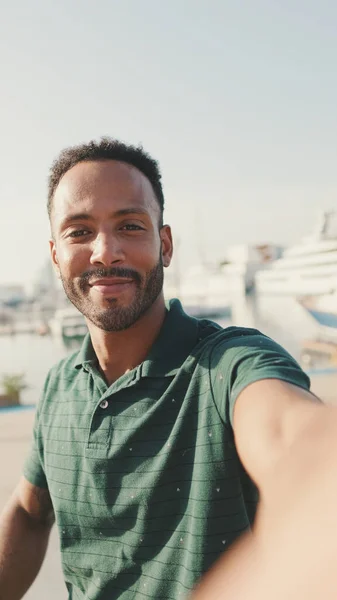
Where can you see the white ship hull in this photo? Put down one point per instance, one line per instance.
(309, 268)
(209, 290)
(297, 283)
(323, 310)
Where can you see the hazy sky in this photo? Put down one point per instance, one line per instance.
(237, 100)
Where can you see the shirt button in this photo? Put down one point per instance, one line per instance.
(104, 404)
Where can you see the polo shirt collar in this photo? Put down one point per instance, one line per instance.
(176, 340)
(86, 354)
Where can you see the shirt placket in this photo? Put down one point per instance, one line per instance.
(101, 415)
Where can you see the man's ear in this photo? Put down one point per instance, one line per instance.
(166, 245)
(54, 259)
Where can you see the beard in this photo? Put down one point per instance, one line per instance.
(115, 317)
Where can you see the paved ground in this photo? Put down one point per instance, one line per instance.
(15, 431)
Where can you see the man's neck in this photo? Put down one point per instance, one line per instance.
(121, 351)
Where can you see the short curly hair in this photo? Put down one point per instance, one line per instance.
(106, 149)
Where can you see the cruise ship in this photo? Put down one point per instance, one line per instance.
(306, 269)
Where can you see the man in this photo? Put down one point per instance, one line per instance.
(138, 435)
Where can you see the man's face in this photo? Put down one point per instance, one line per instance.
(107, 247)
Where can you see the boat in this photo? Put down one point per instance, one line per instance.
(323, 309)
(194, 293)
(236, 273)
(318, 354)
(306, 269)
(68, 323)
(210, 289)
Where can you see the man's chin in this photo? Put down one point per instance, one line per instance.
(111, 315)
(119, 322)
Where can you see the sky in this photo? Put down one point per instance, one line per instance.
(237, 101)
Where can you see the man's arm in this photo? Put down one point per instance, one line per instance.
(25, 525)
(287, 441)
(269, 417)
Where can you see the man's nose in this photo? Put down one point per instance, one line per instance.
(106, 250)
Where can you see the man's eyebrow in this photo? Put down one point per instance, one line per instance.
(133, 210)
(76, 217)
(119, 213)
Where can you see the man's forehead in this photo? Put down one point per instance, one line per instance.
(110, 179)
(112, 173)
(88, 183)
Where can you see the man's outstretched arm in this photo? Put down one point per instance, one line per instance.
(25, 525)
(288, 443)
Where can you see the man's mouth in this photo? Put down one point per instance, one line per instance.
(111, 285)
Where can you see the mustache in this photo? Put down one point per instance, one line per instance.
(101, 273)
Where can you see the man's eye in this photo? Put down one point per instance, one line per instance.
(132, 227)
(78, 233)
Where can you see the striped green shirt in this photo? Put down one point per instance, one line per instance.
(147, 487)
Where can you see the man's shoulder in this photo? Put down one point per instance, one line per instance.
(216, 336)
(230, 344)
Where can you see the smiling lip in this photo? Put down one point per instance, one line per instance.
(111, 285)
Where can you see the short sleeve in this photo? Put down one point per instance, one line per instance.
(33, 469)
(244, 359)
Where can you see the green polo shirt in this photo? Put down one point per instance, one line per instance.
(147, 487)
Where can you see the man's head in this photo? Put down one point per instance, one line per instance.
(109, 245)
(106, 149)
